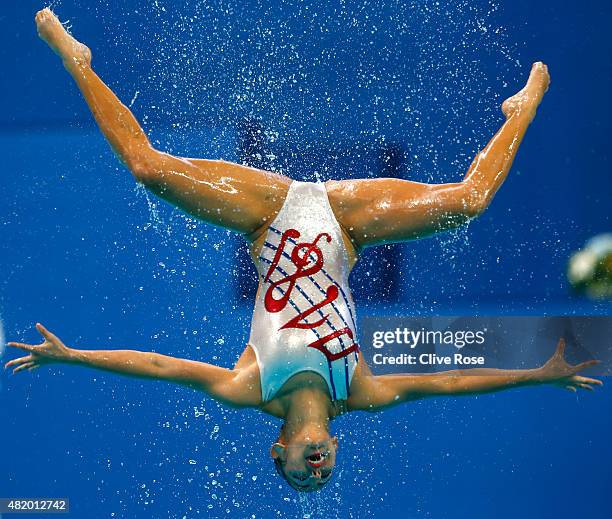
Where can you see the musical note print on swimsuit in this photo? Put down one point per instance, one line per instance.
(307, 258)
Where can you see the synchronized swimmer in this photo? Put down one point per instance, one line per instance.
(302, 363)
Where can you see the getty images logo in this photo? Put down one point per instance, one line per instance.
(414, 338)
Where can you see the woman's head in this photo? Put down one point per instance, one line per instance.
(306, 459)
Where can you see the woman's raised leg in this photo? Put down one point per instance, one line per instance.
(383, 210)
(237, 197)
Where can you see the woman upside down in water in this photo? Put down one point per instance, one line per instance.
(302, 363)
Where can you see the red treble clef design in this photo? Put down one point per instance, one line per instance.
(289, 233)
(301, 258)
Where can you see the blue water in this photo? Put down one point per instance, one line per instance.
(102, 264)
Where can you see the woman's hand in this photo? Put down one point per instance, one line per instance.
(557, 371)
(51, 350)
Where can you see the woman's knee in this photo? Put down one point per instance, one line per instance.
(145, 166)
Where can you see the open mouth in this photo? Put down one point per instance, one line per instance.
(317, 458)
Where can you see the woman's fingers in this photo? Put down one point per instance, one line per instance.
(583, 383)
(560, 347)
(588, 380)
(23, 366)
(21, 346)
(584, 365)
(22, 363)
(585, 386)
(45, 333)
(20, 360)
(34, 359)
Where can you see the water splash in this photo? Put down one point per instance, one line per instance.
(156, 221)
(422, 67)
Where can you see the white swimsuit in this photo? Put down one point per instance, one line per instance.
(304, 317)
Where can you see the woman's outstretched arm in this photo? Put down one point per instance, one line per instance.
(233, 387)
(382, 210)
(237, 197)
(379, 392)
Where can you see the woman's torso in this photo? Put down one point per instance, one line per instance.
(304, 331)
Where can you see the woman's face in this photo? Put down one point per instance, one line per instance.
(307, 465)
